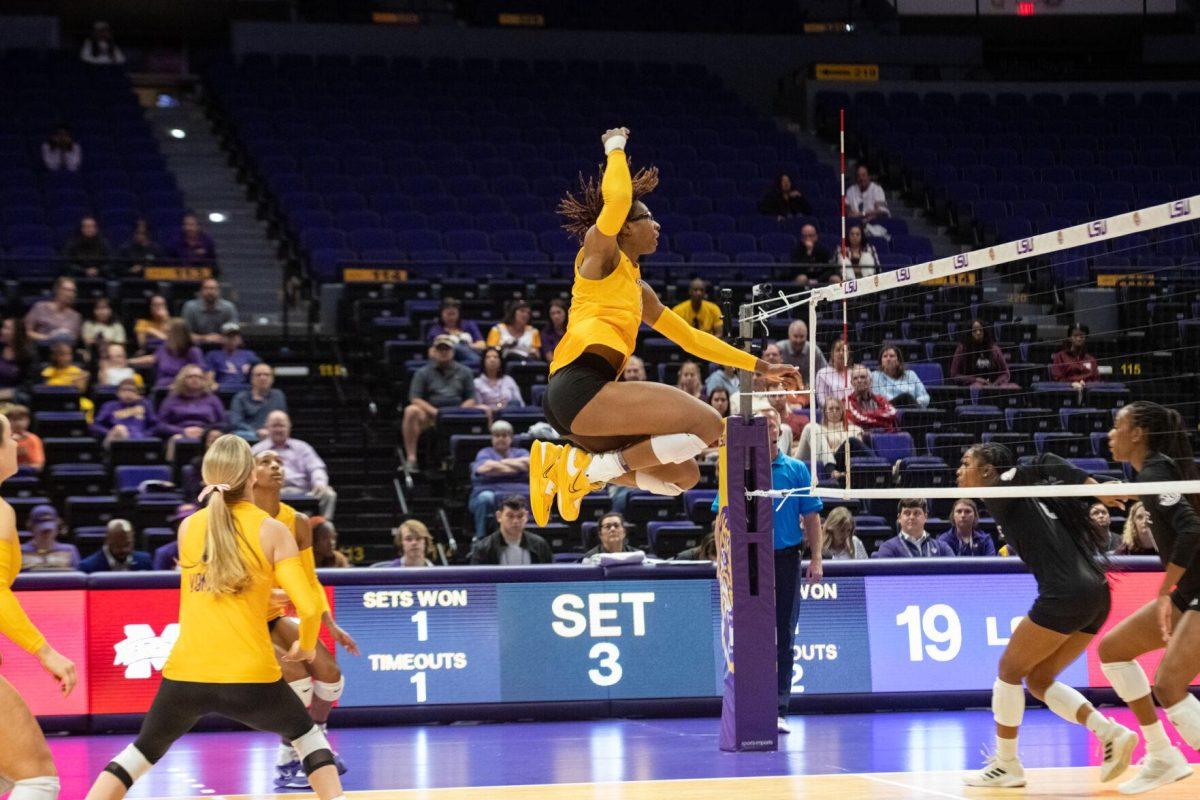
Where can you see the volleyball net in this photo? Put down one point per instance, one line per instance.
(1133, 280)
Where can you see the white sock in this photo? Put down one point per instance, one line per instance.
(1100, 725)
(1185, 716)
(656, 486)
(1006, 749)
(1156, 737)
(606, 467)
(287, 754)
(324, 726)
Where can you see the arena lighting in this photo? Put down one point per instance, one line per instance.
(1026, 8)
(178, 133)
(216, 216)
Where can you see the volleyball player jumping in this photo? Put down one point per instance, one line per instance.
(26, 768)
(1052, 535)
(231, 554)
(641, 434)
(318, 683)
(1152, 439)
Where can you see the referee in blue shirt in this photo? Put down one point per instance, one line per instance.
(796, 521)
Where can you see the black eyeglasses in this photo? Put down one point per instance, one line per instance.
(640, 217)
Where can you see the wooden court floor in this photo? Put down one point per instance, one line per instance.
(1044, 784)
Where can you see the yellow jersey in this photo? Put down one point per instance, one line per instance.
(222, 638)
(287, 515)
(14, 623)
(606, 312)
(707, 319)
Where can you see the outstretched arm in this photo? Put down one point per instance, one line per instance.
(600, 243)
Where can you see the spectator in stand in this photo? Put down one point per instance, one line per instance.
(867, 410)
(43, 551)
(829, 437)
(172, 356)
(493, 389)
(63, 371)
(724, 378)
(87, 252)
(114, 367)
(783, 199)
(231, 364)
(841, 542)
(511, 544)
(166, 558)
(99, 48)
(896, 382)
(103, 329)
(325, 552)
(193, 245)
(613, 539)
(1136, 537)
(810, 250)
(978, 360)
(55, 318)
(304, 472)
(139, 252)
(700, 312)
(497, 472)
(442, 383)
(16, 356)
(865, 198)
(468, 340)
(913, 541)
(60, 151)
(30, 452)
(833, 380)
(857, 257)
(719, 399)
(1102, 526)
(130, 416)
(188, 408)
(635, 369)
(193, 480)
(705, 551)
(414, 545)
(117, 553)
(555, 327)
(690, 380)
(964, 537)
(795, 348)
(250, 407)
(1074, 364)
(151, 331)
(515, 337)
(207, 313)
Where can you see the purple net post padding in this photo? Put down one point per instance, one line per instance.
(746, 570)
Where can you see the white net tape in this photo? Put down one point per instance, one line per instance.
(1113, 489)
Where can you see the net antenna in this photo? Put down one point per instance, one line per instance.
(948, 270)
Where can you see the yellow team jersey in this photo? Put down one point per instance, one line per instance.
(286, 515)
(606, 312)
(14, 623)
(707, 319)
(222, 638)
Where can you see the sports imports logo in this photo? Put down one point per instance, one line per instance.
(1097, 228)
(141, 652)
(1180, 208)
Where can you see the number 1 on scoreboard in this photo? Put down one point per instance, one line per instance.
(421, 618)
(419, 681)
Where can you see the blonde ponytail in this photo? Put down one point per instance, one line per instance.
(227, 467)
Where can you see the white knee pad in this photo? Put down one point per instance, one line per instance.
(1008, 703)
(312, 742)
(1128, 679)
(41, 788)
(656, 486)
(1064, 701)
(129, 765)
(329, 692)
(1185, 716)
(676, 448)
(303, 689)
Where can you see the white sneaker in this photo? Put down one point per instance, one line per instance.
(1118, 750)
(1158, 770)
(997, 774)
(782, 725)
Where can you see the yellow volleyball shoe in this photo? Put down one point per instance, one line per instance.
(573, 484)
(543, 479)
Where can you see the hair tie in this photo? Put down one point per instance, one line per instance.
(212, 487)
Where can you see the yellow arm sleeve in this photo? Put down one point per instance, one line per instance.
(289, 574)
(617, 189)
(14, 622)
(701, 344)
(309, 561)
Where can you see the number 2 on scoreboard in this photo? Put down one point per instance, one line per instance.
(946, 639)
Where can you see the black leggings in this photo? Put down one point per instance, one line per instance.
(179, 705)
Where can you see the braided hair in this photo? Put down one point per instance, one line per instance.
(581, 208)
